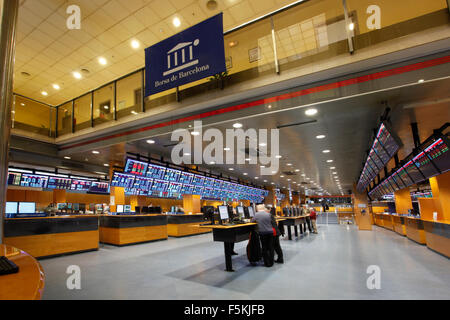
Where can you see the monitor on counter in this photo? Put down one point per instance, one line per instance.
(11, 207)
(119, 208)
(27, 207)
(61, 206)
(240, 211)
(251, 212)
(223, 212)
(127, 208)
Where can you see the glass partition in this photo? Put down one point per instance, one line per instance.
(82, 112)
(104, 104)
(31, 116)
(129, 95)
(65, 118)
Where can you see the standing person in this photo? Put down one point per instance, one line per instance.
(313, 217)
(276, 234)
(264, 220)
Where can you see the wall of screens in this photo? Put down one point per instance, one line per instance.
(169, 182)
(384, 147)
(433, 158)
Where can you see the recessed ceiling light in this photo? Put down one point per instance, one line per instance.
(351, 26)
(134, 112)
(76, 75)
(303, 175)
(265, 180)
(187, 154)
(95, 152)
(332, 168)
(231, 169)
(262, 166)
(281, 176)
(335, 172)
(106, 165)
(289, 164)
(256, 177)
(212, 162)
(326, 151)
(22, 104)
(421, 81)
(135, 44)
(106, 107)
(273, 172)
(102, 61)
(66, 157)
(195, 133)
(262, 144)
(237, 125)
(311, 112)
(150, 141)
(297, 170)
(226, 149)
(44, 93)
(278, 156)
(329, 161)
(269, 106)
(247, 159)
(320, 136)
(233, 43)
(176, 22)
(56, 86)
(245, 173)
(288, 179)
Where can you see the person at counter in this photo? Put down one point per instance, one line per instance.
(313, 217)
(276, 238)
(264, 221)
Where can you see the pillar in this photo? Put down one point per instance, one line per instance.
(360, 204)
(403, 201)
(139, 201)
(285, 202)
(296, 199)
(8, 21)
(191, 203)
(59, 196)
(271, 198)
(440, 187)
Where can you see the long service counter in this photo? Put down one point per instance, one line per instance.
(122, 230)
(180, 225)
(52, 236)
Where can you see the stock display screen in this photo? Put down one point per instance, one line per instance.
(186, 178)
(397, 181)
(218, 184)
(122, 180)
(80, 185)
(413, 172)
(198, 190)
(209, 182)
(187, 189)
(387, 140)
(34, 181)
(136, 167)
(142, 183)
(59, 183)
(198, 180)
(208, 192)
(174, 187)
(425, 166)
(404, 176)
(155, 172)
(14, 178)
(172, 175)
(439, 153)
(159, 185)
(99, 187)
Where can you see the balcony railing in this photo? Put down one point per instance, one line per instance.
(302, 35)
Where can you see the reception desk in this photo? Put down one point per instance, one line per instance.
(181, 225)
(52, 236)
(437, 236)
(28, 283)
(122, 230)
(414, 230)
(399, 224)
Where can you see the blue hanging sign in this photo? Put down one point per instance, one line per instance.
(191, 55)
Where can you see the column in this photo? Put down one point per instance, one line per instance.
(271, 197)
(361, 210)
(137, 201)
(296, 199)
(403, 201)
(8, 20)
(59, 196)
(191, 203)
(440, 187)
(285, 202)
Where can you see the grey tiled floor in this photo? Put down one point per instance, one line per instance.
(330, 265)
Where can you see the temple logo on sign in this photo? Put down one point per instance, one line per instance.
(181, 56)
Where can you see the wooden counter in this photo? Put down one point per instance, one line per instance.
(122, 230)
(437, 236)
(28, 283)
(52, 236)
(399, 224)
(181, 225)
(387, 221)
(414, 230)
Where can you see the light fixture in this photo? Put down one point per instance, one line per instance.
(421, 81)
(95, 152)
(226, 149)
(247, 159)
(265, 180)
(102, 61)
(195, 133)
(231, 169)
(134, 112)
(335, 172)
(289, 164)
(303, 175)
(233, 43)
(262, 144)
(212, 162)
(106, 107)
(311, 112)
(320, 136)
(106, 165)
(67, 157)
(76, 75)
(44, 93)
(278, 156)
(329, 161)
(187, 154)
(256, 178)
(237, 125)
(297, 170)
(150, 141)
(22, 104)
(332, 168)
(326, 151)
(351, 26)
(245, 173)
(176, 22)
(281, 176)
(135, 44)
(56, 86)
(273, 172)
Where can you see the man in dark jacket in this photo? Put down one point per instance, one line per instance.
(265, 231)
(277, 233)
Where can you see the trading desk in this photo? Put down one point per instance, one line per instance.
(180, 225)
(294, 222)
(229, 235)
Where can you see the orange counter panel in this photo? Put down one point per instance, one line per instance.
(124, 236)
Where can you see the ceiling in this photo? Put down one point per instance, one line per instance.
(346, 123)
(49, 52)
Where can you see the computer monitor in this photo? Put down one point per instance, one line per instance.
(223, 212)
(127, 208)
(61, 206)
(119, 208)
(157, 209)
(230, 212)
(11, 207)
(246, 214)
(76, 206)
(137, 209)
(27, 207)
(251, 212)
(82, 207)
(69, 206)
(144, 209)
(208, 213)
(240, 212)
